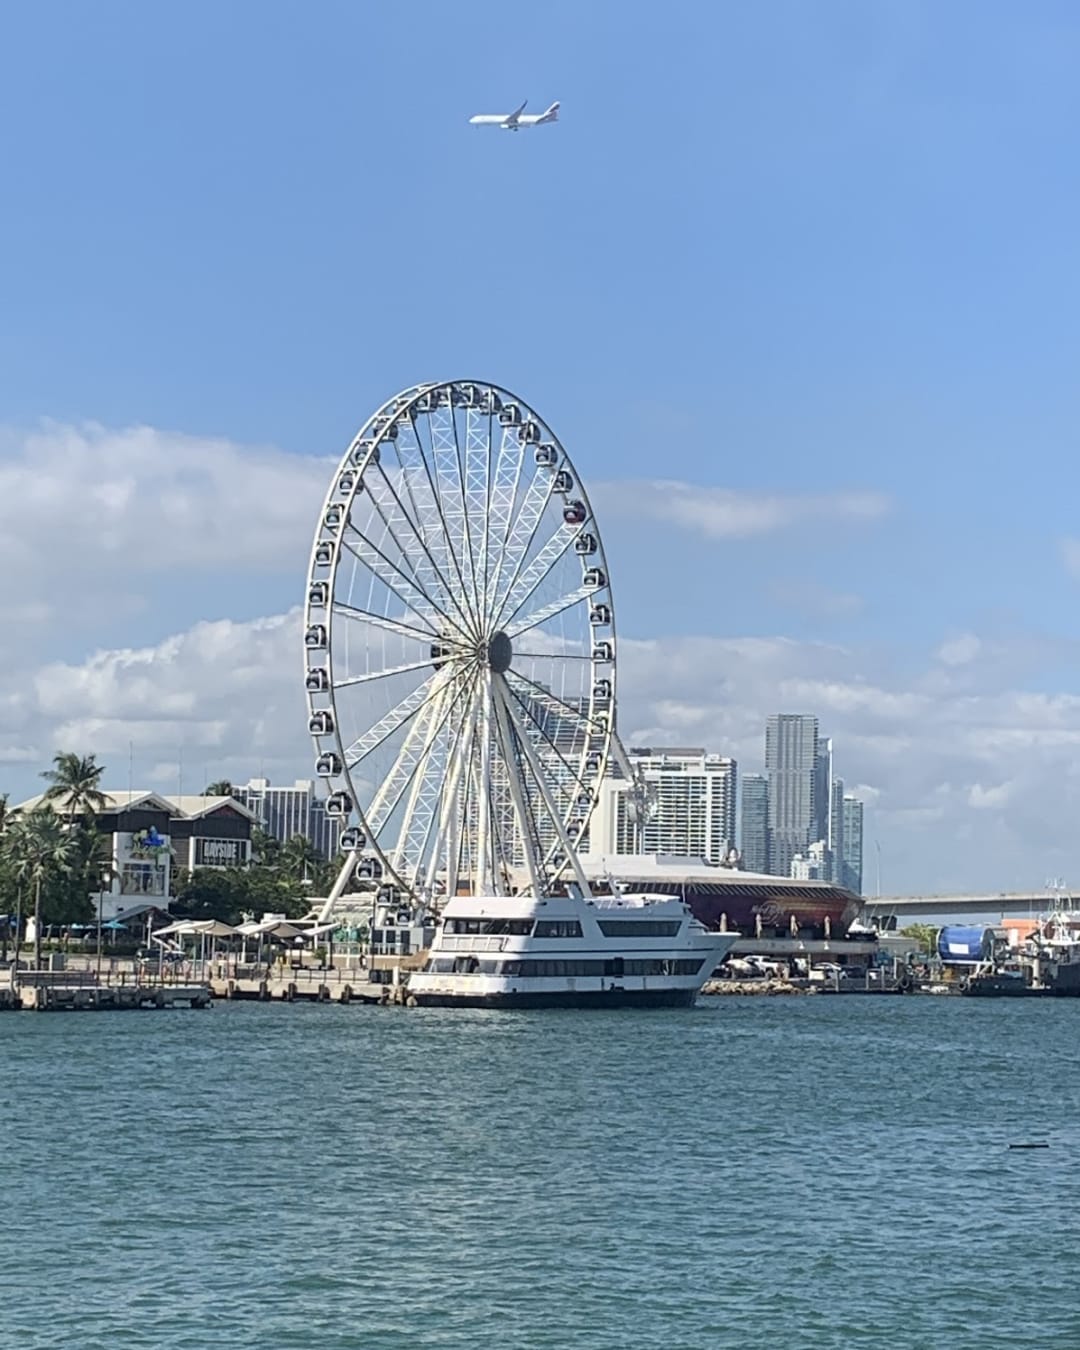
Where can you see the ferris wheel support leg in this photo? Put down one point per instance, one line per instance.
(514, 784)
(545, 791)
(337, 890)
(486, 875)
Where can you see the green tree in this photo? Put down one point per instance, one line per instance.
(220, 788)
(211, 893)
(75, 785)
(265, 849)
(925, 934)
(42, 852)
(299, 859)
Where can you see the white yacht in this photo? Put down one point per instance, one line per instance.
(563, 951)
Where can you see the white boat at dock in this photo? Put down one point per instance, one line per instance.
(565, 951)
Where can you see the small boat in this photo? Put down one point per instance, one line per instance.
(568, 952)
(1006, 980)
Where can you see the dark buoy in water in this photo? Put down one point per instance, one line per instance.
(1029, 1145)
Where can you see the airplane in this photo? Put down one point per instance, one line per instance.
(514, 121)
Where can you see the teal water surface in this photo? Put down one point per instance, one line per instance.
(752, 1172)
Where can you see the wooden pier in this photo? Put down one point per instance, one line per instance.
(305, 985)
(82, 991)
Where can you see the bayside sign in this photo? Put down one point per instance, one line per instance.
(219, 852)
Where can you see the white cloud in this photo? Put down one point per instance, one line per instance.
(989, 799)
(960, 650)
(225, 698)
(721, 513)
(1070, 556)
(87, 512)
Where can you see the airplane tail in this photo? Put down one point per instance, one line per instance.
(551, 115)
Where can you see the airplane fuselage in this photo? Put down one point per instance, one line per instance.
(516, 120)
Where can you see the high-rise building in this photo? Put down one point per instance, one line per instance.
(690, 806)
(287, 811)
(791, 762)
(815, 865)
(823, 778)
(754, 836)
(852, 857)
(836, 829)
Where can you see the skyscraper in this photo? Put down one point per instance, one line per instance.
(852, 851)
(791, 761)
(823, 778)
(754, 838)
(836, 830)
(286, 811)
(691, 807)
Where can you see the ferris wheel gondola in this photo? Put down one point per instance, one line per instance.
(459, 645)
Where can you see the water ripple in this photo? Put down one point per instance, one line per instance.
(750, 1173)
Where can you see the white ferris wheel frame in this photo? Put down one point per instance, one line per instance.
(444, 588)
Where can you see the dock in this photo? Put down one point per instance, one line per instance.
(82, 991)
(305, 985)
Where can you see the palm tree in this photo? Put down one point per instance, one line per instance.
(42, 848)
(75, 785)
(220, 788)
(265, 848)
(299, 858)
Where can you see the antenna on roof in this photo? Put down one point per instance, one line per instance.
(131, 771)
(180, 771)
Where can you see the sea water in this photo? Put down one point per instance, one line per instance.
(773, 1172)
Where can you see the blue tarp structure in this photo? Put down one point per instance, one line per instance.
(965, 946)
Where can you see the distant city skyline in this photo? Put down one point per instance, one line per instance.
(796, 819)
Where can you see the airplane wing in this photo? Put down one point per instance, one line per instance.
(512, 118)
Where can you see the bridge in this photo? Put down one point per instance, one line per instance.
(940, 910)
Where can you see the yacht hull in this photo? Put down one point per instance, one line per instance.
(562, 998)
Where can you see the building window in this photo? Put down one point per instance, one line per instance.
(139, 878)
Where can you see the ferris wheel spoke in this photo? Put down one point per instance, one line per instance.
(394, 786)
(539, 569)
(551, 656)
(434, 580)
(543, 696)
(478, 491)
(523, 531)
(351, 680)
(550, 611)
(406, 588)
(450, 485)
(404, 630)
(569, 847)
(426, 771)
(393, 721)
(460, 757)
(540, 731)
(472, 507)
(433, 790)
(504, 491)
(433, 514)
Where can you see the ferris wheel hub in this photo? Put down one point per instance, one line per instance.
(500, 652)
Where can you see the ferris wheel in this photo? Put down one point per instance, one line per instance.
(459, 644)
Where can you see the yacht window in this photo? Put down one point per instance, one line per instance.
(490, 927)
(558, 928)
(639, 927)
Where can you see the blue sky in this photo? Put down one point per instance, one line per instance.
(780, 250)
